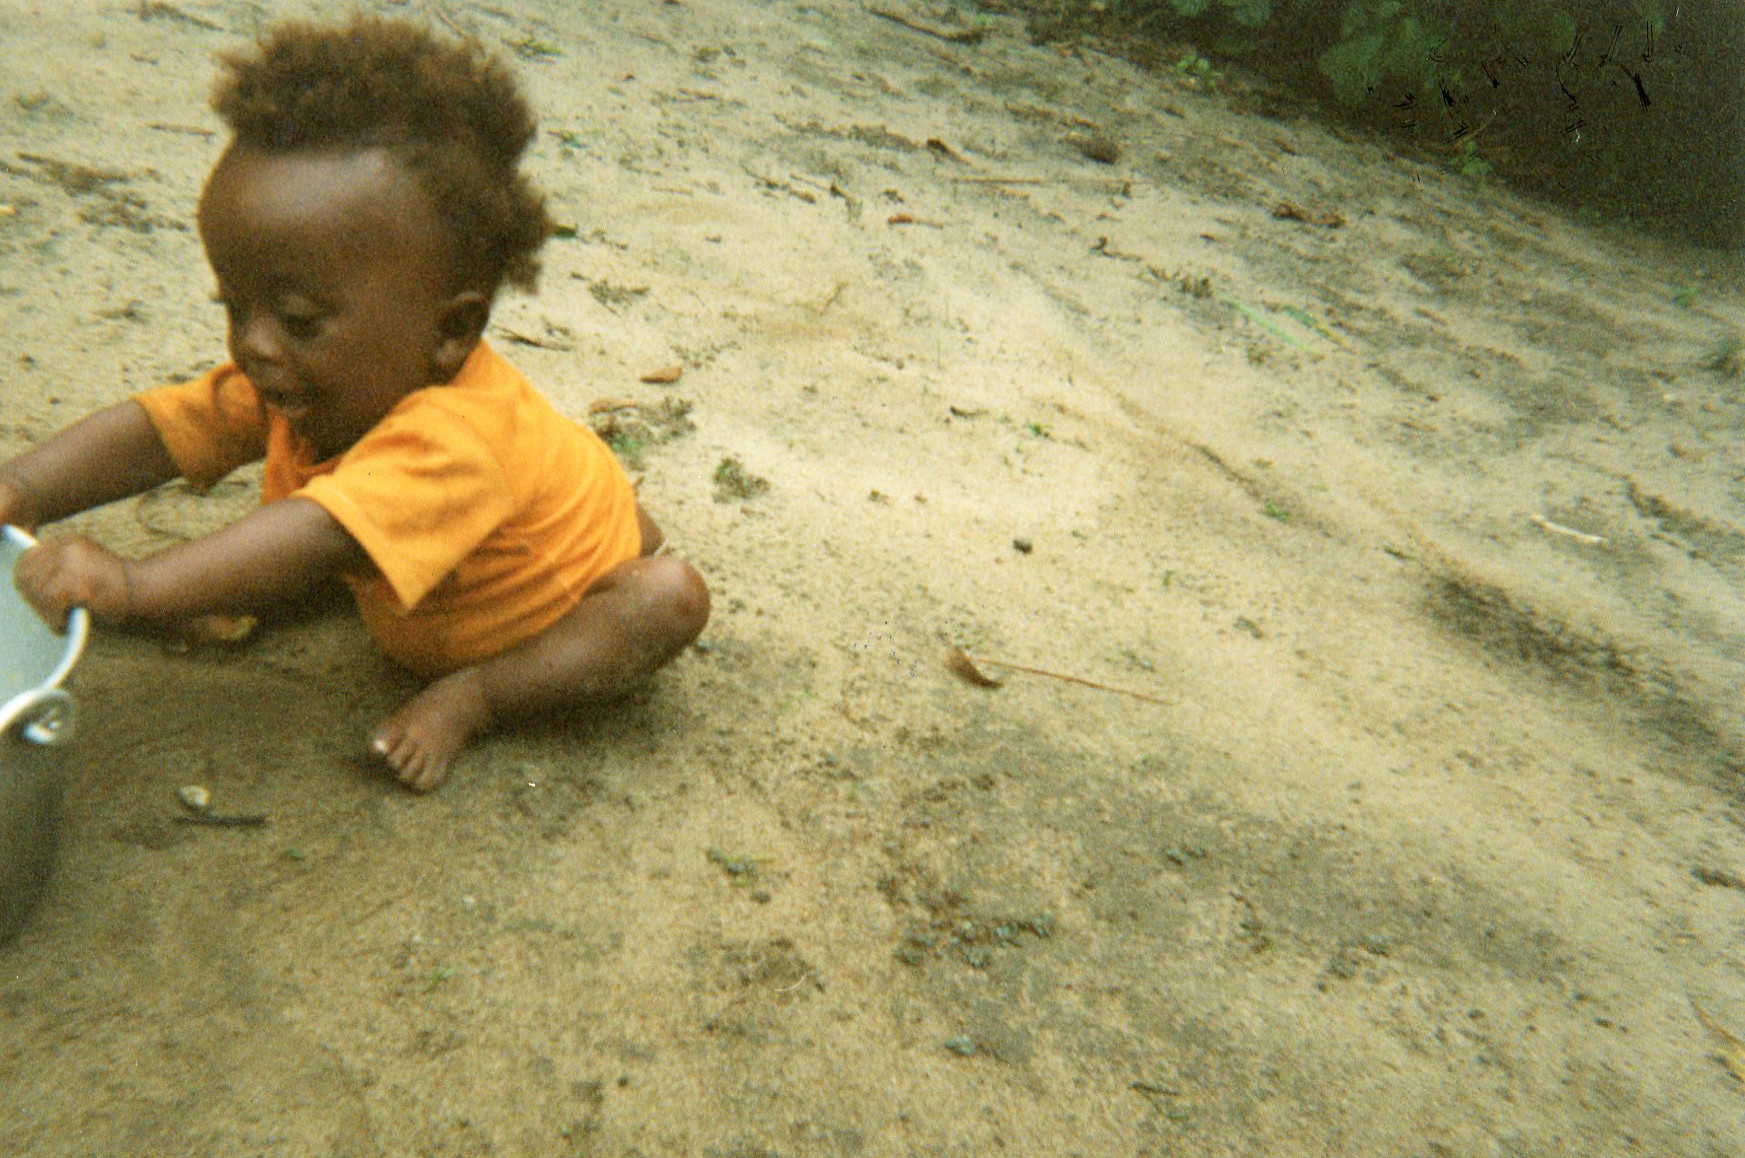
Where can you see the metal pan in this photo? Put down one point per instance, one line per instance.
(36, 723)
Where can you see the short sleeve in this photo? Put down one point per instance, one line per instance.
(211, 425)
(419, 493)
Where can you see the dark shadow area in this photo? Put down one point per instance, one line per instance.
(1627, 110)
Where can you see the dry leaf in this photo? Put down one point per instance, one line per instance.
(964, 667)
(604, 405)
(1718, 876)
(521, 339)
(1732, 1049)
(1290, 211)
(667, 375)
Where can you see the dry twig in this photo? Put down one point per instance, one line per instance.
(1546, 524)
(951, 36)
(959, 661)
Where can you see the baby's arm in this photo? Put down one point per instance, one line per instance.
(110, 455)
(272, 555)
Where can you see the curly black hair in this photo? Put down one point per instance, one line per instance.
(451, 112)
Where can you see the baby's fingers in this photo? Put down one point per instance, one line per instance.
(37, 579)
(16, 507)
(57, 576)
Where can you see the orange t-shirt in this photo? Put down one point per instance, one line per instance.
(486, 513)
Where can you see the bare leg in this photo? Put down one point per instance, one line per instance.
(635, 619)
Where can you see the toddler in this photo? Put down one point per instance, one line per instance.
(359, 224)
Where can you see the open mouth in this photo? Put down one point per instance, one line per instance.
(297, 415)
(302, 421)
(278, 392)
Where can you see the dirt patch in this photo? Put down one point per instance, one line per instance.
(1639, 685)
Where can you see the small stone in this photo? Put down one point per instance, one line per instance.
(225, 630)
(194, 798)
(1098, 147)
(962, 1046)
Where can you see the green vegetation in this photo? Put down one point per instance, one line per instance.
(741, 869)
(1248, 13)
(733, 481)
(628, 448)
(1198, 70)
(1263, 322)
(1467, 162)
(1381, 40)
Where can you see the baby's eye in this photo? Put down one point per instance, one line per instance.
(300, 325)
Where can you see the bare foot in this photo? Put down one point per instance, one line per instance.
(422, 739)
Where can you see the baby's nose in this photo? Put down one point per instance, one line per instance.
(258, 340)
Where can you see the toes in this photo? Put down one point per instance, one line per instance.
(429, 775)
(412, 764)
(421, 740)
(399, 753)
(390, 745)
(409, 768)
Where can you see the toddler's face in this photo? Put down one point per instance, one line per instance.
(332, 275)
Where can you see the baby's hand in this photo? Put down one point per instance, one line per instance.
(61, 574)
(16, 507)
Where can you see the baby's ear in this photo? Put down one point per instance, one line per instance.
(459, 326)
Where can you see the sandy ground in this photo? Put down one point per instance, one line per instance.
(1431, 843)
